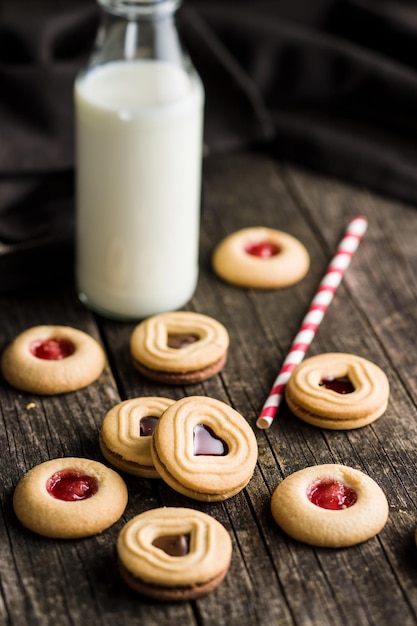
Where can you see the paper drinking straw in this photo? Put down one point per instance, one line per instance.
(318, 307)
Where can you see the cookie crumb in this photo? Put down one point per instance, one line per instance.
(30, 406)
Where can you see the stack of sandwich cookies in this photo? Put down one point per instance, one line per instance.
(204, 449)
(126, 432)
(174, 553)
(179, 348)
(330, 506)
(337, 391)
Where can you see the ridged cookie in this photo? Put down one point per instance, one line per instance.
(204, 449)
(179, 348)
(174, 553)
(338, 391)
(126, 433)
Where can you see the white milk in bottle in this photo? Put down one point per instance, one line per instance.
(139, 146)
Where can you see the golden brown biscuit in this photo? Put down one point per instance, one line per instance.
(204, 449)
(126, 433)
(179, 348)
(261, 258)
(174, 553)
(51, 360)
(330, 506)
(338, 391)
(69, 498)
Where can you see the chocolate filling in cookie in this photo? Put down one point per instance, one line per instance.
(342, 384)
(173, 545)
(147, 425)
(181, 340)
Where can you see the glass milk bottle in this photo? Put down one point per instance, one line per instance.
(139, 118)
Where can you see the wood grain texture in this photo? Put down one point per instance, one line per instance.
(273, 580)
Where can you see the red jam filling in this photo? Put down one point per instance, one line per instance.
(174, 545)
(263, 249)
(339, 385)
(71, 485)
(147, 425)
(181, 340)
(206, 443)
(53, 349)
(331, 494)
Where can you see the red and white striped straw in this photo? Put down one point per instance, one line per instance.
(318, 307)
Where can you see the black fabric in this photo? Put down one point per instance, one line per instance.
(329, 84)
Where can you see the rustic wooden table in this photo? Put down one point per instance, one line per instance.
(273, 579)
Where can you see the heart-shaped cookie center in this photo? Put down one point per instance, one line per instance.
(147, 425)
(206, 443)
(342, 384)
(328, 493)
(174, 545)
(177, 341)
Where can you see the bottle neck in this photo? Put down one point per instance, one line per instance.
(139, 29)
(140, 9)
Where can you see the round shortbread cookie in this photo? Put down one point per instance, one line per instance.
(69, 498)
(204, 449)
(173, 553)
(126, 433)
(330, 506)
(179, 347)
(50, 360)
(261, 258)
(338, 391)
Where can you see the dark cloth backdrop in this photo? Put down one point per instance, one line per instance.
(328, 84)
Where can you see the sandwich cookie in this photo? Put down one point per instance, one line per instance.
(174, 554)
(204, 449)
(126, 433)
(179, 348)
(337, 391)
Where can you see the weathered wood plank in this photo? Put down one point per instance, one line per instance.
(273, 579)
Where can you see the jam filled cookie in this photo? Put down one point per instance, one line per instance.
(261, 258)
(204, 449)
(126, 432)
(49, 360)
(179, 348)
(174, 554)
(330, 506)
(69, 498)
(337, 391)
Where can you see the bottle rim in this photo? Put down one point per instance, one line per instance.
(139, 7)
